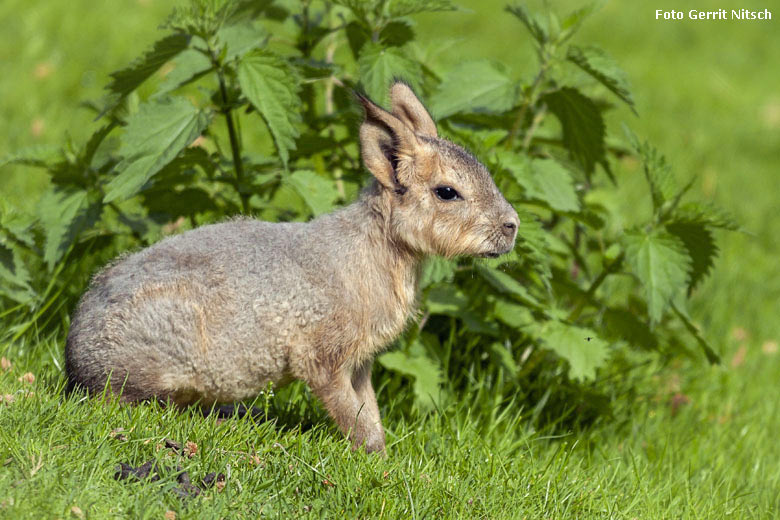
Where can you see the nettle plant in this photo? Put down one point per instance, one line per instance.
(247, 108)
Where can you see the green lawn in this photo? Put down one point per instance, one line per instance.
(689, 441)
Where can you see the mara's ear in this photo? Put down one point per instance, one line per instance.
(384, 140)
(408, 108)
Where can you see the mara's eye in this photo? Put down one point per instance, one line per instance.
(446, 193)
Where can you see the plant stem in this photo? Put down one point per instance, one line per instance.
(609, 269)
(234, 146)
(530, 103)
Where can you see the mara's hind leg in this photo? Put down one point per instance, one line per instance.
(151, 348)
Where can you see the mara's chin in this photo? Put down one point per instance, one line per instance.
(495, 253)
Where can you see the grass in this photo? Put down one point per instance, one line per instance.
(691, 441)
(713, 458)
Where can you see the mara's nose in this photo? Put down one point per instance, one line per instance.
(509, 228)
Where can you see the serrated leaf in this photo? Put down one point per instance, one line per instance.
(14, 272)
(532, 242)
(314, 69)
(476, 323)
(435, 270)
(706, 214)
(542, 179)
(397, 33)
(604, 69)
(17, 225)
(319, 193)
(272, 86)
(174, 203)
(63, 215)
(446, 299)
(427, 374)
(700, 244)
(506, 284)
(187, 67)
(379, 66)
(513, 314)
(41, 156)
(475, 86)
(504, 358)
(584, 351)
(535, 26)
(582, 125)
(709, 352)
(359, 8)
(240, 38)
(399, 8)
(658, 172)
(554, 185)
(153, 137)
(621, 324)
(661, 263)
(130, 78)
(573, 20)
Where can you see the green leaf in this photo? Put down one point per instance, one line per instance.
(174, 203)
(399, 8)
(379, 66)
(535, 26)
(623, 325)
(153, 137)
(700, 244)
(272, 86)
(477, 323)
(542, 179)
(360, 8)
(187, 67)
(319, 193)
(436, 269)
(64, 213)
(709, 352)
(41, 156)
(706, 214)
(240, 38)
(14, 274)
(503, 357)
(661, 263)
(604, 69)
(532, 243)
(130, 78)
(396, 34)
(446, 299)
(451, 301)
(582, 124)
(584, 351)
(658, 173)
(17, 225)
(506, 284)
(512, 314)
(427, 374)
(475, 86)
(314, 69)
(553, 184)
(573, 21)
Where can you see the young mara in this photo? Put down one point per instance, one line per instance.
(215, 314)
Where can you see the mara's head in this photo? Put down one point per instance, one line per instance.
(443, 201)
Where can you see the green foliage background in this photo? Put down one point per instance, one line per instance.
(221, 64)
(617, 255)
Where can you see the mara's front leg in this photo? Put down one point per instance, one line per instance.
(350, 400)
